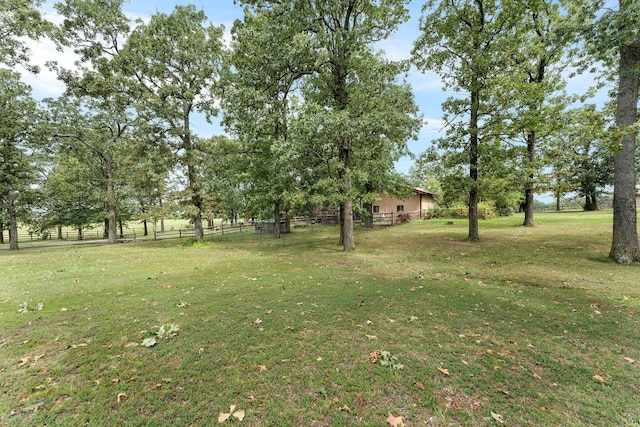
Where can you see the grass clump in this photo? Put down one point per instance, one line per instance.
(528, 326)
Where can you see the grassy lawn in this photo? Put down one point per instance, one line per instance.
(530, 326)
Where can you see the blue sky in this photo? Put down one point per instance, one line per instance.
(427, 87)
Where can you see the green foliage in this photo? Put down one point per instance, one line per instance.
(26, 309)
(20, 19)
(162, 332)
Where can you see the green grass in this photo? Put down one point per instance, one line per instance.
(522, 321)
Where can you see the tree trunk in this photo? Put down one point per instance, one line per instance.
(161, 218)
(13, 219)
(146, 228)
(348, 240)
(528, 185)
(1, 233)
(121, 231)
(80, 233)
(111, 201)
(276, 216)
(346, 214)
(624, 247)
(368, 207)
(192, 176)
(59, 231)
(474, 234)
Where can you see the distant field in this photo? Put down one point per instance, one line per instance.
(529, 326)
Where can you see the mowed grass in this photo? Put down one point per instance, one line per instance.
(530, 326)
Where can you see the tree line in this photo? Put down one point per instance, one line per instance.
(313, 113)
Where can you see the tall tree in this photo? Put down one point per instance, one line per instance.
(626, 26)
(17, 140)
(467, 43)
(343, 33)
(99, 117)
(98, 133)
(176, 61)
(267, 64)
(541, 54)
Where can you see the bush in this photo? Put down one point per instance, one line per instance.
(435, 212)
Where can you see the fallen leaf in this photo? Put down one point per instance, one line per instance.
(257, 321)
(130, 344)
(262, 368)
(395, 421)
(443, 370)
(599, 379)
(115, 380)
(222, 417)
(239, 415)
(497, 417)
(121, 395)
(486, 323)
(24, 360)
(419, 385)
(33, 408)
(629, 360)
(345, 408)
(371, 337)
(413, 319)
(536, 376)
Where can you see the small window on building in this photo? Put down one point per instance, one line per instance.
(376, 209)
(400, 208)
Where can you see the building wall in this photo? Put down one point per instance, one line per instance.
(415, 203)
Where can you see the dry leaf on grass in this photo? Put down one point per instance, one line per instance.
(443, 370)
(23, 361)
(600, 379)
(262, 368)
(121, 395)
(629, 360)
(239, 415)
(497, 417)
(395, 421)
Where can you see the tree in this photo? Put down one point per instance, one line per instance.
(176, 61)
(535, 89)
(18, 137)
(626, 26)
(97, 116)
(19, 19)
(468, 43)
(267, 64)
(342, 34)
(581, 154)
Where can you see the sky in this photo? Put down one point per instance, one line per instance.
(427, 88)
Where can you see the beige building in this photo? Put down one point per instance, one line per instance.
(415, 205)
